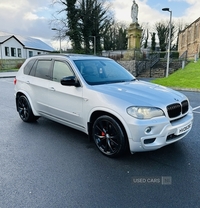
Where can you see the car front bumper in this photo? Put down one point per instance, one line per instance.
(148, 135)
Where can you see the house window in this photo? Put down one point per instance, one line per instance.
(30, 53)
(13, 52)
(7, 51)
(19, 52)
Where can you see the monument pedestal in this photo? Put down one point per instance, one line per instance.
(134, 35)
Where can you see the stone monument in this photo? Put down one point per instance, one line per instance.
(134, 12)
(134, 31)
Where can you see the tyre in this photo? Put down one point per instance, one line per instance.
(24, 109)
(109, 136)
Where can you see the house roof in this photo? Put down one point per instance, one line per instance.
(4, 38)
(27, 42)
(34, 43)
(7, 37)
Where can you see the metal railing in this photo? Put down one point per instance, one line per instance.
(143, 65)
(183, 56)
(140, 66)
(154, 59)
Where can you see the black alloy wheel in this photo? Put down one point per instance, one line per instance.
(109, 136)
(24, 109)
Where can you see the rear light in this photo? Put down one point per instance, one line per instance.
(15, 81)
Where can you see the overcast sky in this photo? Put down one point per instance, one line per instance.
(32, 17)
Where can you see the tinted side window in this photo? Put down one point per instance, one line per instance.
(29, 66)
(61, 70)
(43, 69)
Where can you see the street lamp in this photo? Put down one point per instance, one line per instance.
(94, 44)
(59, 35)
(169, 40)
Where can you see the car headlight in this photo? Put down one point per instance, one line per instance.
(144, 112)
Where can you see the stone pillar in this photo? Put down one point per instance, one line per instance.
(134, 35)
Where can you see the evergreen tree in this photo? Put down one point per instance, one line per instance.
(146, 39)
(86, 21)
(73, 16)
(162, 32)
(153, 41)
(115, 37)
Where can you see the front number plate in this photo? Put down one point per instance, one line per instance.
(184, 129)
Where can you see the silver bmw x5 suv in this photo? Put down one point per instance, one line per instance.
(98, 96)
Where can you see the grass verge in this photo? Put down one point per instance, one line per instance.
(9, 70)
(189, 77)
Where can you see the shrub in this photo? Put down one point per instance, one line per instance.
(18, 65)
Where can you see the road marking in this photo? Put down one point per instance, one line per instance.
(196, 112)
(196, 108)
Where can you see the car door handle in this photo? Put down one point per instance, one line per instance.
(52, 88)
(27, 82)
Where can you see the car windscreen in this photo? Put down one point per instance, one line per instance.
(102, 71)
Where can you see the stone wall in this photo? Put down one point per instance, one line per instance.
(159, 69)
(10, 63)
(189, 39)
(129, 65)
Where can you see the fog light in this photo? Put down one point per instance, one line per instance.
(148, 130)
(149, 141)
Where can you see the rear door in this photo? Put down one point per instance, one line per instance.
(39, 78)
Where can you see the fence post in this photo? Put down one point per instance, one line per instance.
(195, 58)
(183, 64)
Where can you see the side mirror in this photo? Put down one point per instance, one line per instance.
(70, 81)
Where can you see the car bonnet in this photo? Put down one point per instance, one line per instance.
(141, 93)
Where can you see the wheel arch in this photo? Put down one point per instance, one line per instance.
(18, 94)
(99, 113)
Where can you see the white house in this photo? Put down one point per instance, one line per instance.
(19, 47)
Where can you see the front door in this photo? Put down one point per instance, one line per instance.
(65, 101)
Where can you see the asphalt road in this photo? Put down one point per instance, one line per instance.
(48, 165)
